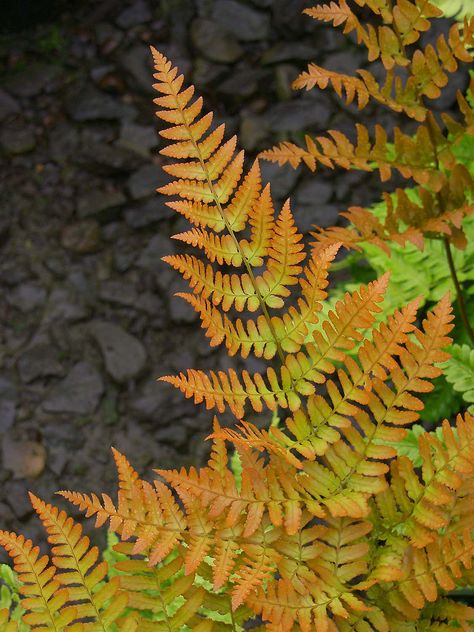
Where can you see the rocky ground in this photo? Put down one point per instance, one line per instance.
(88, 320)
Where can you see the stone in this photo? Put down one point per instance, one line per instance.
(288, 17)
(89, 104)
(145, 181)
(16, 495)
(206, 72)
(78, 393)
(150, 257)
(298, 115)
(345, 61)
(138, 138)
(124, 355)
(136, 13)
(62, 305)
(150, 304)
(180, 310)
(93, 202)
(282, 179)
(313, 190)
(243, 83)
(137, 62)
(315, 214)
(253, 130)
(17, 139)
(245, 23)
(155, 401)
(154, 210)
(213, 43)
(119, 292)
(289, 51)
(25, 459)
(8, 397)
(8, 105)
(27, 297)
(39, 361)
(108, 37)
(63, 141)
(33, 79)
(175, 435)
(105, 160)
(82, 237)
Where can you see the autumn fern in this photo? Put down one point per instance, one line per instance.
(415, 75)
(325, 527)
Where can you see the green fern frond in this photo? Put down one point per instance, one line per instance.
(459, 370)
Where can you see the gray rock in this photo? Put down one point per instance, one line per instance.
(173, 434)
(138, 138)
(315, 214)
(8, 105)
(150, 304)
(16, 495)
(124, 355)
(345, 61)
(210, 40)
(108, 37)
(78, 393)
(62, 305)
(63, 141)
(154, 401)
(93, 202)
(154, 210)
(145, 181)
(32, 80)
(119, 292)
(137, 61)
(82, 237)
(27, 297)
(282, 179)
(253, 130)
(245, 23)
(289, 51)
(313, 190)
(104, 160)
(243, 83)
(38, 361)
(206, 72)
(150, 258)
(90, 104)
(17, 139)
(8, 396)
(289, 18)
(137, 13)
(298, 115)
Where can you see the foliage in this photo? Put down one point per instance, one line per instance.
(443, 185)
(459, 370)
(324, 525)
(458, 9)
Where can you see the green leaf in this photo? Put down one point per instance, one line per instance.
(459, 370)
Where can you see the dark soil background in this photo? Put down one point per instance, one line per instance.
(88, 318)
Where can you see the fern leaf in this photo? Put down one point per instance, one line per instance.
(7, 625)
(459, 370)
(73, 555)
(44, 596)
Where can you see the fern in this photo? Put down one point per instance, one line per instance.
(325, 527)
(459, 371)
(432, 157)
(458, 9)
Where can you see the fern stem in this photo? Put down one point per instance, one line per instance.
(459, 294)
(229, 229)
